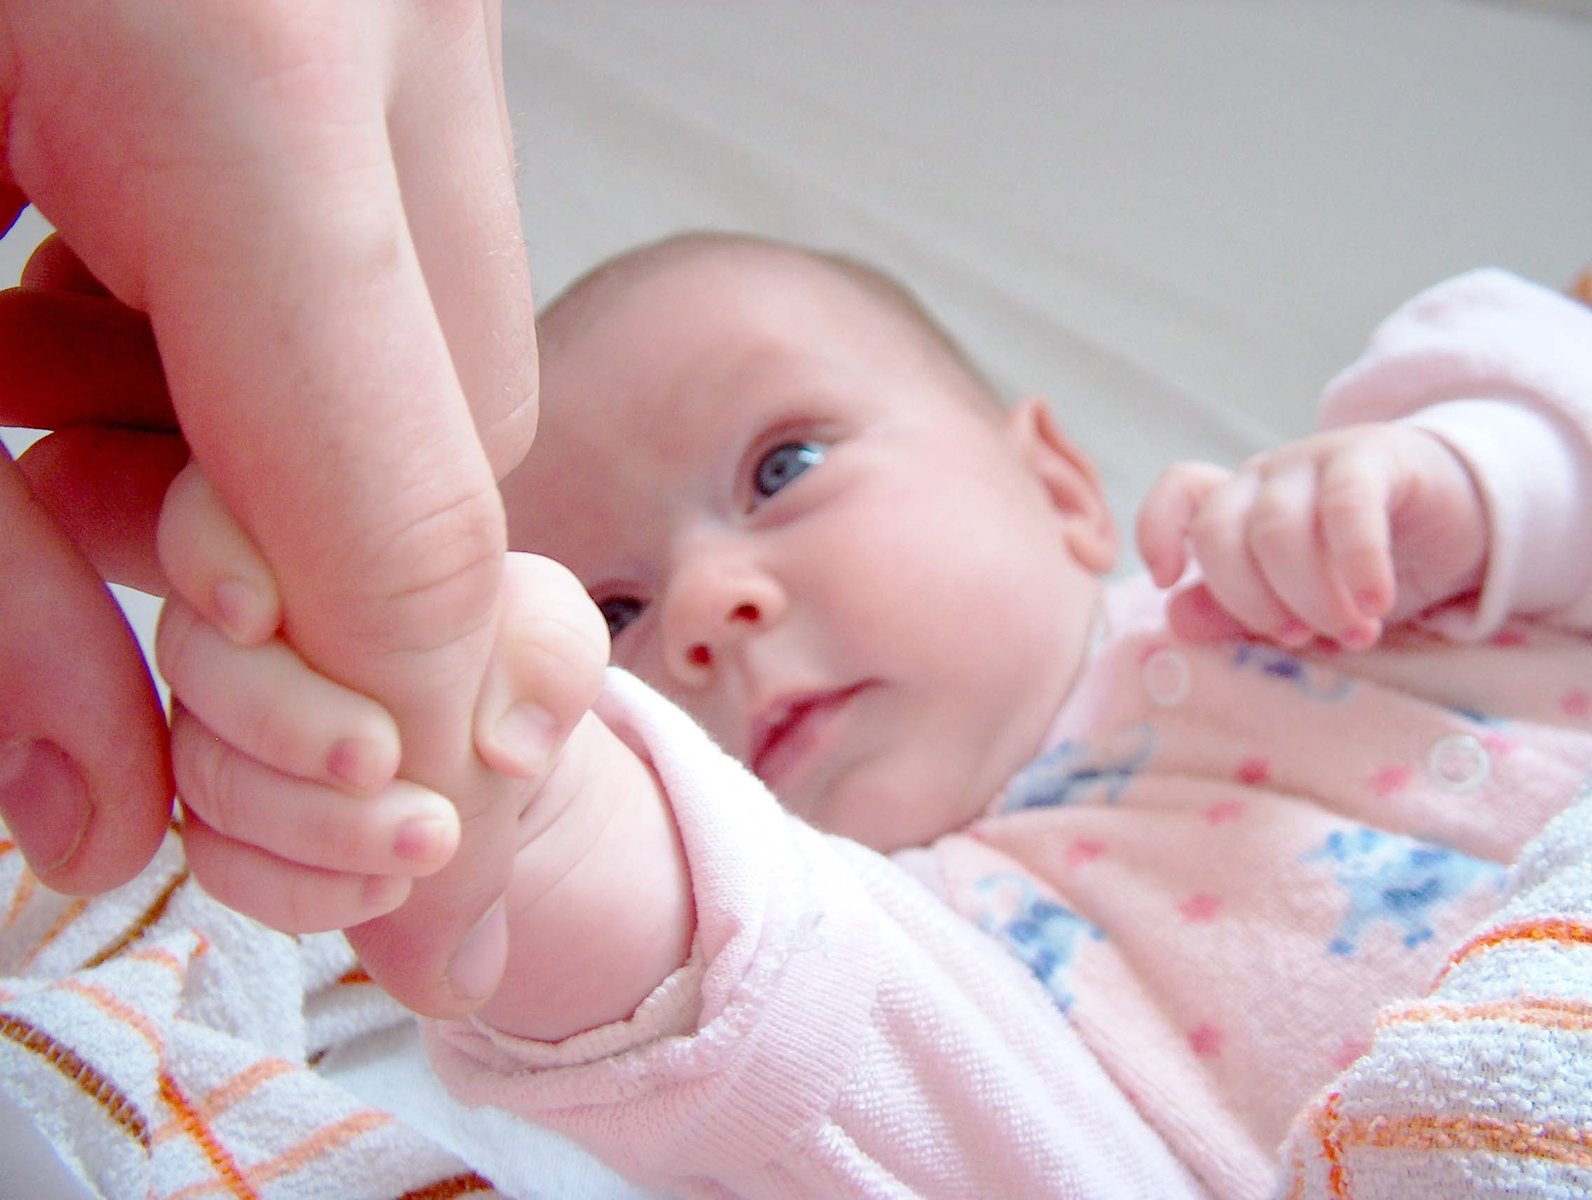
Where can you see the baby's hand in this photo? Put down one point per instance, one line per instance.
(1332, 536)
(292, 811)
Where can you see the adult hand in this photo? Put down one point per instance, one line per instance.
(314, 206)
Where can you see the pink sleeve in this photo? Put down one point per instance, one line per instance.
(1501, 369)
(852, 1038)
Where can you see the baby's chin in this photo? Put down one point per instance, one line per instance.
(888, 819)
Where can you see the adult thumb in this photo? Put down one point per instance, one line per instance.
(85, 782)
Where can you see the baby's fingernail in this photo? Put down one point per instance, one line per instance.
(421, 839)
(477, 964)
(1369, 603)
(359, 762)
(1359, 638)
(245, 614)
(522, 741)
(431, 831)
(1294, 633)
(44, 801)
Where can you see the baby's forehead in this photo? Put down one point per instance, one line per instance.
(695, 319)
(715, 278)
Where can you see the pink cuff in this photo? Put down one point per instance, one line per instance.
(1532, 468)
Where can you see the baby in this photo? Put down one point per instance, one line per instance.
(1203, 837)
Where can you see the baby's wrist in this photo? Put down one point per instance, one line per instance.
(599, 907)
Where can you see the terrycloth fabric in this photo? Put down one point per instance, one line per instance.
(848, 1043)
(1483, 1089)
(164, 1045)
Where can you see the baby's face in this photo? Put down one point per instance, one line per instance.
(807, 532)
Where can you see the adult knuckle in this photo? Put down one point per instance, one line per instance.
(436, 573)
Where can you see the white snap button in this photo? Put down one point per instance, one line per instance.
(1458, 763)
(1167, 677)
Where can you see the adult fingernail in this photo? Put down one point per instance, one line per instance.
(522, 741)
(44, 801)
(478, 963)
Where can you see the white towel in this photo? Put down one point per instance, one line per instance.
(1483, 1089)
(163, 1045)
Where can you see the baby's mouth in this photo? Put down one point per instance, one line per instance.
(791, 730)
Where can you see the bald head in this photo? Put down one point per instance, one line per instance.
(573, 310)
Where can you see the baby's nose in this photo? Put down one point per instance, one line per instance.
(714, 610)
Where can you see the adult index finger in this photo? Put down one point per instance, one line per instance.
(454, 155)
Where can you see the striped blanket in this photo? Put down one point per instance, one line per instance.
(166, 1047)
(1484, 1087)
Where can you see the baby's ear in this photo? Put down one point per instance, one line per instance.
(1069, 479)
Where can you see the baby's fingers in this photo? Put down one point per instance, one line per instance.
(268, 703)
(547, 667)
(404, 829)
(1164, 519)
(211, 563)
(285, 895)
(1285, 541)
(1352, 506)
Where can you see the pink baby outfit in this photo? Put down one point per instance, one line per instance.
(1193, 903)
(1232, 857)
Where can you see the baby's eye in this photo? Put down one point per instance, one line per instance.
(619, 611)
(783, 464)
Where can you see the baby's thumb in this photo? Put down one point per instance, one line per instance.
(546, 668)
(443, 953)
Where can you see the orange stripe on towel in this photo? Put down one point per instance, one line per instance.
(240, 1087)
(1551, 929)
(114, 1006)
(1544, 1012)
(89, 1081)
(246, 1082)
(1551, 1141)
(318, 1145)
(141, 923)
(69, 914)
(226, 1170)
(1332, 1146)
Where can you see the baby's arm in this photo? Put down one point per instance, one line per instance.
(293, 814)
(1492, 369)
